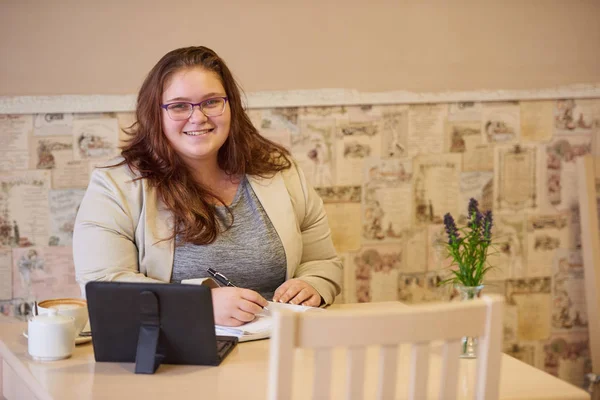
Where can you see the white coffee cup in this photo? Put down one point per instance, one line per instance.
(50, 336)
(70, 307)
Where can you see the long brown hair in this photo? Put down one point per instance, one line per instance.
(148, 151)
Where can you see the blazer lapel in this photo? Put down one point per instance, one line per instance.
(158, 260)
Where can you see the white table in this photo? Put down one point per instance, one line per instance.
(243, 374)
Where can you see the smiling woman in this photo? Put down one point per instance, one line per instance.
(198, 187)
(196, 133)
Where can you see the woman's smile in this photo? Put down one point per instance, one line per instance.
(201, 132)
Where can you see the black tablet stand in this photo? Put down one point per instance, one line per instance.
(147, 358)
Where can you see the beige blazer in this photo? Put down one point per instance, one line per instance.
(120, 223)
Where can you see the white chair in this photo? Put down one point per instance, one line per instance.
(417, 325)
(590, 246)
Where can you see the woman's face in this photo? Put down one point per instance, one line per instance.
(198, 138)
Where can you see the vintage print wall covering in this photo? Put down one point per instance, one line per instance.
(387, 175)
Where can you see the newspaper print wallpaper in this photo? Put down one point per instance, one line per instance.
(387, 175)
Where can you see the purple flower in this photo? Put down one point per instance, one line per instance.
(473, 209)
(478, 220)
(488, 222)
(451, 228)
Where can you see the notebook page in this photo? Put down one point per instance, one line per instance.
(260, 327)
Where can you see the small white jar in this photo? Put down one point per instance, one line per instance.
(51, 336)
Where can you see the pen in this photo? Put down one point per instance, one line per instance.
(220, 277)
(223, 280)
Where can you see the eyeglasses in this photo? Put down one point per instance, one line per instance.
(181, 110)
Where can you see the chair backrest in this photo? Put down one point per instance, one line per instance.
(387, 328)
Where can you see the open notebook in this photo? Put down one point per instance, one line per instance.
(261, 327)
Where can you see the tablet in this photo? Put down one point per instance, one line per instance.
(154, 323)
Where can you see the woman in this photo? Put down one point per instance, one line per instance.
(197, 187)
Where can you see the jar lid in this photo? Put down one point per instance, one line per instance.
(52, 317)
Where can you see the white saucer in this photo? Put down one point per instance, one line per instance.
(78, 340)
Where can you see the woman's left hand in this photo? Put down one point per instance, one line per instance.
(296, 291)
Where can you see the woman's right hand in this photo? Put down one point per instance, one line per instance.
(234, 306)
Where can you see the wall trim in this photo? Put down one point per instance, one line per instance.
(293, 98)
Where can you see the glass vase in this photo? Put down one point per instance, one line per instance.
(469, 343)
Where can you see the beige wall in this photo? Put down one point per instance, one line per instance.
(106, 47)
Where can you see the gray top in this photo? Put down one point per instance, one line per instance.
(249, 253)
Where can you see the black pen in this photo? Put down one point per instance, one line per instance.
(223, 280)
(220, 277)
